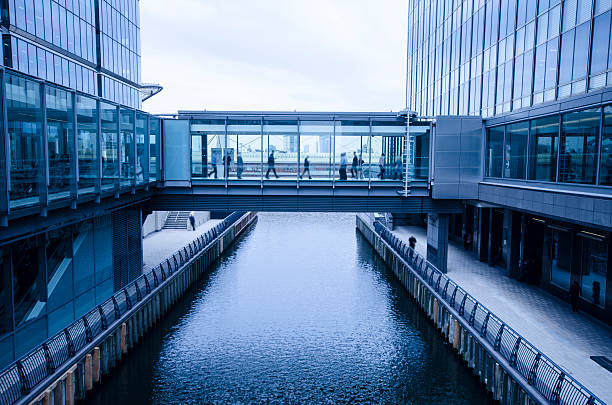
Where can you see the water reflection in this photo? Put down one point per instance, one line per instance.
(301, 311)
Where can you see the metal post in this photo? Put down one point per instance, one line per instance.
(333, 151)
(261, 150)
(6, 154)
(44, 195)
(370, 156)
(99, 151)
(226, 168)
(408, 150)
(119, 154)
(134, 150)
(75, 146)
(298, 152)
(147, 150)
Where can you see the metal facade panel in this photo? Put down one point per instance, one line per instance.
(177, 142)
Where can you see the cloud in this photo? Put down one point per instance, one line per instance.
(274, 54)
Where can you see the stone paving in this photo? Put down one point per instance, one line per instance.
(160, 245)
(546, 321)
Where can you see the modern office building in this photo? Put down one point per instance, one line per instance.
(539, 72)
(77, 157)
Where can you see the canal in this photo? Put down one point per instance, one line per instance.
(301, 310)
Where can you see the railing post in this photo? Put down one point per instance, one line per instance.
(452, 301)
(444, 292)
(534, 369)
(25, 386)
(88, 334)
(128, 302)
(71, 349)
(50, 365)
(498, 337)
(555, 399)
(514, 353)
(485, 323)
(473, 313)
(103, 321)
(462, 306)
(116, 308)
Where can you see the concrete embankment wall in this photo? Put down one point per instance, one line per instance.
(503, 387)
(89, 369)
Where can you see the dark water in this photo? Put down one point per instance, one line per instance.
(302, 311)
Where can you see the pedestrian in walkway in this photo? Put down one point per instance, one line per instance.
(343, 164)
(574, 295)
(360, 167)
(381, 166)
(354, 165)
(213, 163)
(412, 242)
(239, 165)
(596, 292)
(192, 220)
(271, 166)
(228, 164)
(306, 168)
(467, 241)
(397, 170)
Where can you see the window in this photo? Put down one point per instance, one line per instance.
(23, 102)
(154, 130)
(141, 134)
(543, 147)
(87, 131)
(515, 158)
(601, 44)
(28, 281)
(110, 137)
(60, 142)
(593, 267)
(59, 268)
(127, 147)
(605, 172)
(578, 149)
(561, 258)
(494, 157)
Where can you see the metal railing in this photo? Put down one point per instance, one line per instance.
(21, 377)
(541, 373)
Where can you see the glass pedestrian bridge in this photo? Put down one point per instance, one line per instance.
(234, 147)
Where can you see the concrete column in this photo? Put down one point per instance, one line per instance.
(88, 372)
(437, 240)
(123, 338)
(69, 398)
(59, 393)
(456, 335)
(46, 399)
(96, 364)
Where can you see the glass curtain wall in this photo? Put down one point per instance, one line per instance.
(24, 113)
(495, 151)
(316, 150)
(419, 153)
(60, 142)
(349, 141)
(387, 151)
(109, 119)
(605, 171)
(154, 134)
(578, 148)
(141, 134)
(515, 157)
(280, 149)
(60, 274)
(87, 143)
(244, 146)
(593, 267)
(207, 143)
(543, 148)
(127, 157)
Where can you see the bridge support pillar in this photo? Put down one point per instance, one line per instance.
(437, 240)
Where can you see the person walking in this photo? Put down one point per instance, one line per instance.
(574, 295)
(239, 165)
(360, 166)
(271, 166)
(213, 163)
(228, 164)
(381, 166)
(343, 164)
(354, 165)
(397, 171)
(306, 168)
(192, 220)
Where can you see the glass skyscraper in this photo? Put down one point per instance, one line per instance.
(89, 46)
(539, 73)
(477, 57)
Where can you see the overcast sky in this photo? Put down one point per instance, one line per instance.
(305, 55)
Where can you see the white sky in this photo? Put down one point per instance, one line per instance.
(305, 55)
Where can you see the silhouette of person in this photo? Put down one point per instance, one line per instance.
(213, 163)
(354, 165)
(306, 168)
(239, 165)
(271, 166)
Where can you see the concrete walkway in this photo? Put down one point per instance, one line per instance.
(160, 245)
(566, 337)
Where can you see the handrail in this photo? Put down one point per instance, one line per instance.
(548, 378)
(18, 379)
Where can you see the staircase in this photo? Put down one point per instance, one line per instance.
(177, 220)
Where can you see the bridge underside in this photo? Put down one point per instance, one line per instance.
(288, 196)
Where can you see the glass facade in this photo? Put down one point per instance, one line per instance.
(297, 148)
(55, 277)
(560, 148)
(89, 46)
(489, 57)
